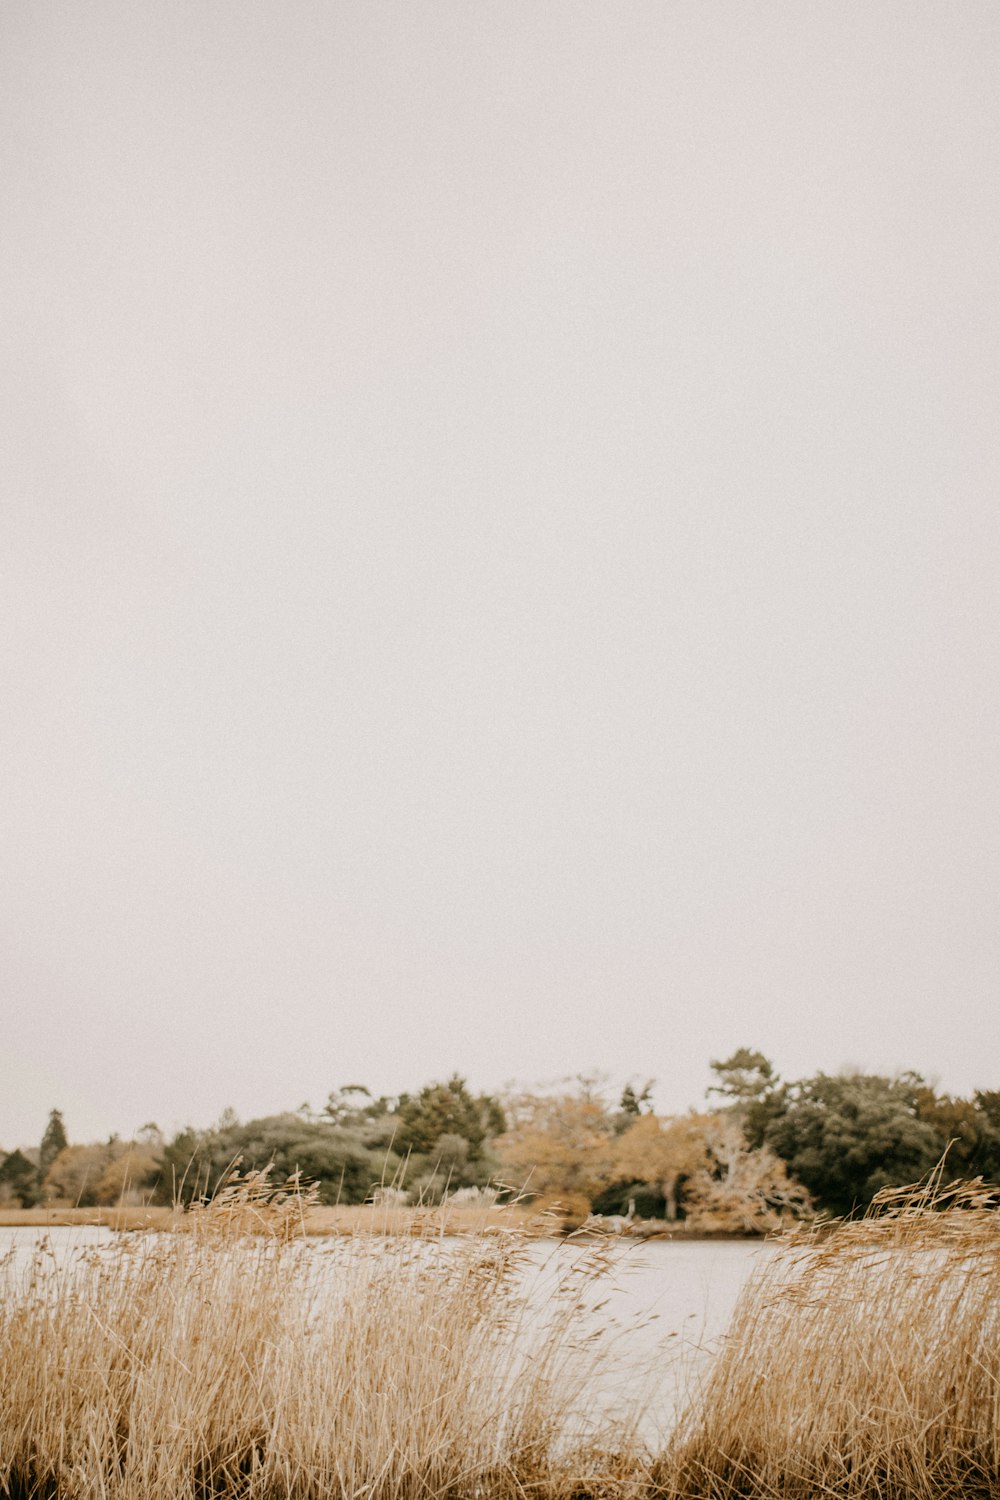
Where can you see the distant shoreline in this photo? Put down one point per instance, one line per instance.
(365, 1218)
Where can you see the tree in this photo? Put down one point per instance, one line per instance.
(558, 1145)
(74, 1175)
(743, 1077)
(344, 1106)
(845, 1137)
(18, 1180)
(706, 1171)
(662, 1152)
(129, 1177)
(373, 1121)
(987, 1158)
(430, 1178)
(964, 1127)
(54, 1140)
(336, 1158)
(739, 1189)
(749, 1084)
(185, 1167)
(447, 1109)
(988, 1101)
(633, 1103)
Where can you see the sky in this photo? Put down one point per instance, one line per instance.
(499, 547)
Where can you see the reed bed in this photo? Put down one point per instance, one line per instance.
(236, 1361)
(861, 1363)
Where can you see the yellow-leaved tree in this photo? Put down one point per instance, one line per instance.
(704, 1167)
(558, 1147)
(662, 1151)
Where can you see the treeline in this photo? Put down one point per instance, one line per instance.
(764, 1152)
(419, 1145)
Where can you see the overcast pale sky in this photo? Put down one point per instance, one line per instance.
(500, 546)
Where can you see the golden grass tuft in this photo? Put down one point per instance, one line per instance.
(862, 1362)
(235, 1360)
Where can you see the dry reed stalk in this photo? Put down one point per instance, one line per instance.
(861, 1363)
(225, 1363)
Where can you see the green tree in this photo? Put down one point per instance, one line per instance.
(54, 1140)
(988, 1101)
(333, 1157)
(967, 1130)
(447, 1109)
(986, 1161)
(964, 1131)
(338, 1159)
(184, 1168)
(845, 1137)
(745, 1076)
(633, 1103)
(19, 1180)
(346, 1105)
(752, 1091)
(430, 1178)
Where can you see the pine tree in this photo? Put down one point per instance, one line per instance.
(53, 1141)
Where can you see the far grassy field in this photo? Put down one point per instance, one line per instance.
(348, 1219)
(60, 1217)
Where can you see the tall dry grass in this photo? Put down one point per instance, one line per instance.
(237, 1360)
(864, 1363)
(233, 1360)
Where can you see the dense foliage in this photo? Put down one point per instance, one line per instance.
(766, 1151)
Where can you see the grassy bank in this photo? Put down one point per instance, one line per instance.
(348, 1219)
(392, 1219)
(232, 1361)
(62, 1217)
